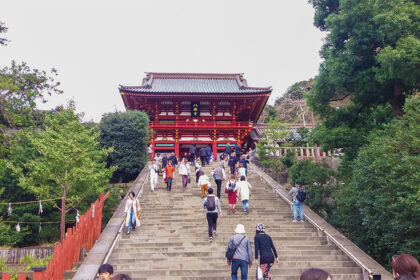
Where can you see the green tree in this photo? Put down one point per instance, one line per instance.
(69, 161)
(127, 133)
(380, 208)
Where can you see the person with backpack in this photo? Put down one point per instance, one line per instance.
(244, 188)
(264, 250)
(239, 253)
(213, 209)
(219, 177)
(208, 154)
(298, 197)
(231, 192)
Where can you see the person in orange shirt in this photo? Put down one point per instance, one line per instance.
(169, 169)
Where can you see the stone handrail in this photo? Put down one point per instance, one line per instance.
(106, 242)
(368, 265)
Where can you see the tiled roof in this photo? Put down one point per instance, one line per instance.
(194, 83)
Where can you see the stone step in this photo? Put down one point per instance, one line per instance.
(250, 274)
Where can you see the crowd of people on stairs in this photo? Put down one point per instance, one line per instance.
(239, 250)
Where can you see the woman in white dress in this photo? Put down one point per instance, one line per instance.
(131, 207)
(153, 171)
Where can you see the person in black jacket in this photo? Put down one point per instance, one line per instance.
(232, 163)
(174, 159)
(164, 161)
(203, 156)
(264, 248)
(228, 150)
(238, 151)
(192, 153)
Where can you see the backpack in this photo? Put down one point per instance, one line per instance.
(211, 203)
(301, 196)
(231, 187)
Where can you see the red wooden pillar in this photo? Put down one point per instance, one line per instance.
(177, 149)
(214, 147)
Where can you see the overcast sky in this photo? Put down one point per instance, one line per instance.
(97, 45)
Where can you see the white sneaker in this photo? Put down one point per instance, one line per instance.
(211, 239)
(294, 221)
(302, 221)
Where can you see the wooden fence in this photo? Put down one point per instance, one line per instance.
(13, 256)
(82, 235)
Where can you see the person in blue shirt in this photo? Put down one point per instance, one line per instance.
(174, 159)
(245, 162)
(208, 152)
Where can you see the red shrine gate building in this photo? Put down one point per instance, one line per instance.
(200, 109)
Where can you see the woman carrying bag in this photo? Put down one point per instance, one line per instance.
(264, 248)
(132, 211)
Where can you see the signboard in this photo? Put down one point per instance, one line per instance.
(164, 144)
(195, 109)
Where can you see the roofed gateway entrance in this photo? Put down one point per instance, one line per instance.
(201, 109)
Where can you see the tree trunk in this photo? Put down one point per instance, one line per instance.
(397, 100)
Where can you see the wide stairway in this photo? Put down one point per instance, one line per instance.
(172, 242)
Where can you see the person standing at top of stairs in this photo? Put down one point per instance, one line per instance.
(208, 154)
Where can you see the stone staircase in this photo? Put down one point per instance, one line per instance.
(172, 242)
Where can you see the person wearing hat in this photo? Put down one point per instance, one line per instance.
(213, 209)
(242, 258)
(264, 248)
(296, 203)
(219, 176)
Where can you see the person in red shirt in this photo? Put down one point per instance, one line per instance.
(169, 169)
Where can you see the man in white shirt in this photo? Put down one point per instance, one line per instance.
(153, 170)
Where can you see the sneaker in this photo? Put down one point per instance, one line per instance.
(211, 239)
(294, 221)
(214, 232)
(302, 221)
(128, 232)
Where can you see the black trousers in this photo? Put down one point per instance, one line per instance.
(212, 221)
(232, 169)
(203, 160)
(219, 186)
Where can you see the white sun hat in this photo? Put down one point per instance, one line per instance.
(240, 229)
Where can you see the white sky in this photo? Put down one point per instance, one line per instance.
(97, 45)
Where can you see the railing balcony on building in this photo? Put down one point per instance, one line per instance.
(300, 152)
(200, 123)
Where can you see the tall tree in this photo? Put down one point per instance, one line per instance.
(69, 162)
(127, 133)
(370, 53)
(380, 208)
